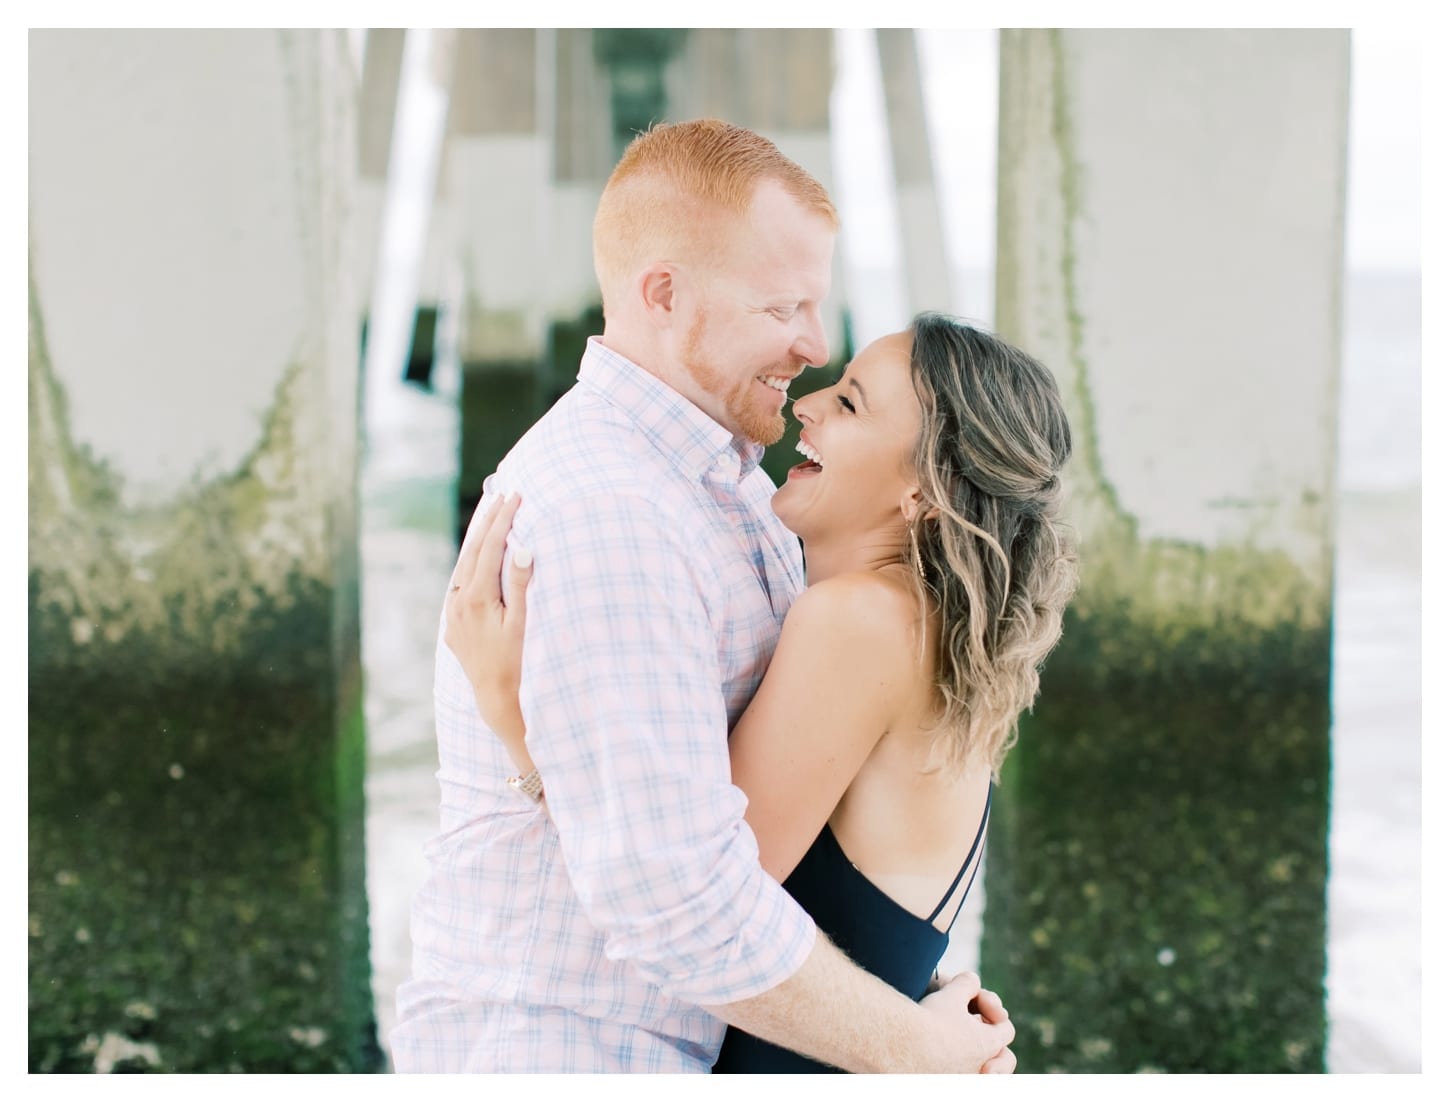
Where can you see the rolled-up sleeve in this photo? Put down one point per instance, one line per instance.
(623, 702)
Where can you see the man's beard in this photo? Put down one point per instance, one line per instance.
(746, 416)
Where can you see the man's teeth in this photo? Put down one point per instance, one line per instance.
(809, 452)
(776, 382)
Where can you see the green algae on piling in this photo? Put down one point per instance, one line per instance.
(196, 893)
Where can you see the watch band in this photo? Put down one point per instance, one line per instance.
(530, 785)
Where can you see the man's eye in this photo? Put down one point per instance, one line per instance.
(784, 313)
(846, 402)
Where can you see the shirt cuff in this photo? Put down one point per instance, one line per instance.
(756, 943)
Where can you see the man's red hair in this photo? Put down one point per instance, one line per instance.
(666, 197)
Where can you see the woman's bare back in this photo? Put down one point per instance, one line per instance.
(905, 826)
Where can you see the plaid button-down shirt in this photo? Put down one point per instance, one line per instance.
(586, 937)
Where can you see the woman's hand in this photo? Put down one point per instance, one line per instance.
(485, 625)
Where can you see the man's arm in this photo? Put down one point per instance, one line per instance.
(834, 1012)
(622, 700)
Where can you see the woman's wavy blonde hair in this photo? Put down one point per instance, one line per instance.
(987, 550)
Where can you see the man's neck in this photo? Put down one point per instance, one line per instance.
(647, 357)
(636, 351)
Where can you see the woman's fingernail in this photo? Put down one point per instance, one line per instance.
(523, 558)
(508, 498)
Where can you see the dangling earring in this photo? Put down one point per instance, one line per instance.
(916, 552)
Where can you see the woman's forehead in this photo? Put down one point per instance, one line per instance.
(890, 353)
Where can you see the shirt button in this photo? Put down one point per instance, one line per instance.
(722, 461)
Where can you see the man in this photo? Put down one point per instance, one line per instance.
(622, 929)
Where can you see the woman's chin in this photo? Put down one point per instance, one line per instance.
(783, 510)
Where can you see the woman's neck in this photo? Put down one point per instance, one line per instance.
(872, 550)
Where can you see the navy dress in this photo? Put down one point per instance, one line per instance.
(868, 926)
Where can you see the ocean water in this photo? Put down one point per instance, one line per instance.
(1375, 828)
(1374, 968)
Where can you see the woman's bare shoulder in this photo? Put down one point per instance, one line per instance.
(873, 609)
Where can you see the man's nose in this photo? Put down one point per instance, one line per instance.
(812, 345)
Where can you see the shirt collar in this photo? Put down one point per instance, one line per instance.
(685, 434)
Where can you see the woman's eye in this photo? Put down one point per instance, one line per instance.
(846, 402)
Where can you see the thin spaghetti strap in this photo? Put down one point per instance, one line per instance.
(981, 829)
(962, 902)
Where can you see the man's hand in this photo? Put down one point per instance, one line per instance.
(989, 1006)
(972, 1027)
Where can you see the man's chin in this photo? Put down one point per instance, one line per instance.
(765, 433)
(760, 422)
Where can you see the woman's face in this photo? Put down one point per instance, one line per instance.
(858, 437)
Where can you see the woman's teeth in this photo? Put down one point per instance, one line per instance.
(809, 452)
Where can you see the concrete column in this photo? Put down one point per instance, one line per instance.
(1170, 239)
(923, 237)
(579, 126)
(705, 82)
(435, 309)
(636, 59)
(377, 117)
(577, 123)
(498, 169)
(196, 883)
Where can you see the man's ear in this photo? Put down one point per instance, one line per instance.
(658, 289)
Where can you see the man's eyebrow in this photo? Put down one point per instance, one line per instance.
(862, 392)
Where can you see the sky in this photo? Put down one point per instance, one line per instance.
(1384, 226)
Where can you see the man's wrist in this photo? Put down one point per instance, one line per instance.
(529, 784)
(907, 1052)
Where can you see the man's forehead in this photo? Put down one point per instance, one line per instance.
(778, 277)
(788, 251)
(788, 223)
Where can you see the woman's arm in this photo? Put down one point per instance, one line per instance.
(841, 674)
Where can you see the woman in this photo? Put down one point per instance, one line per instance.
(938, 575)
